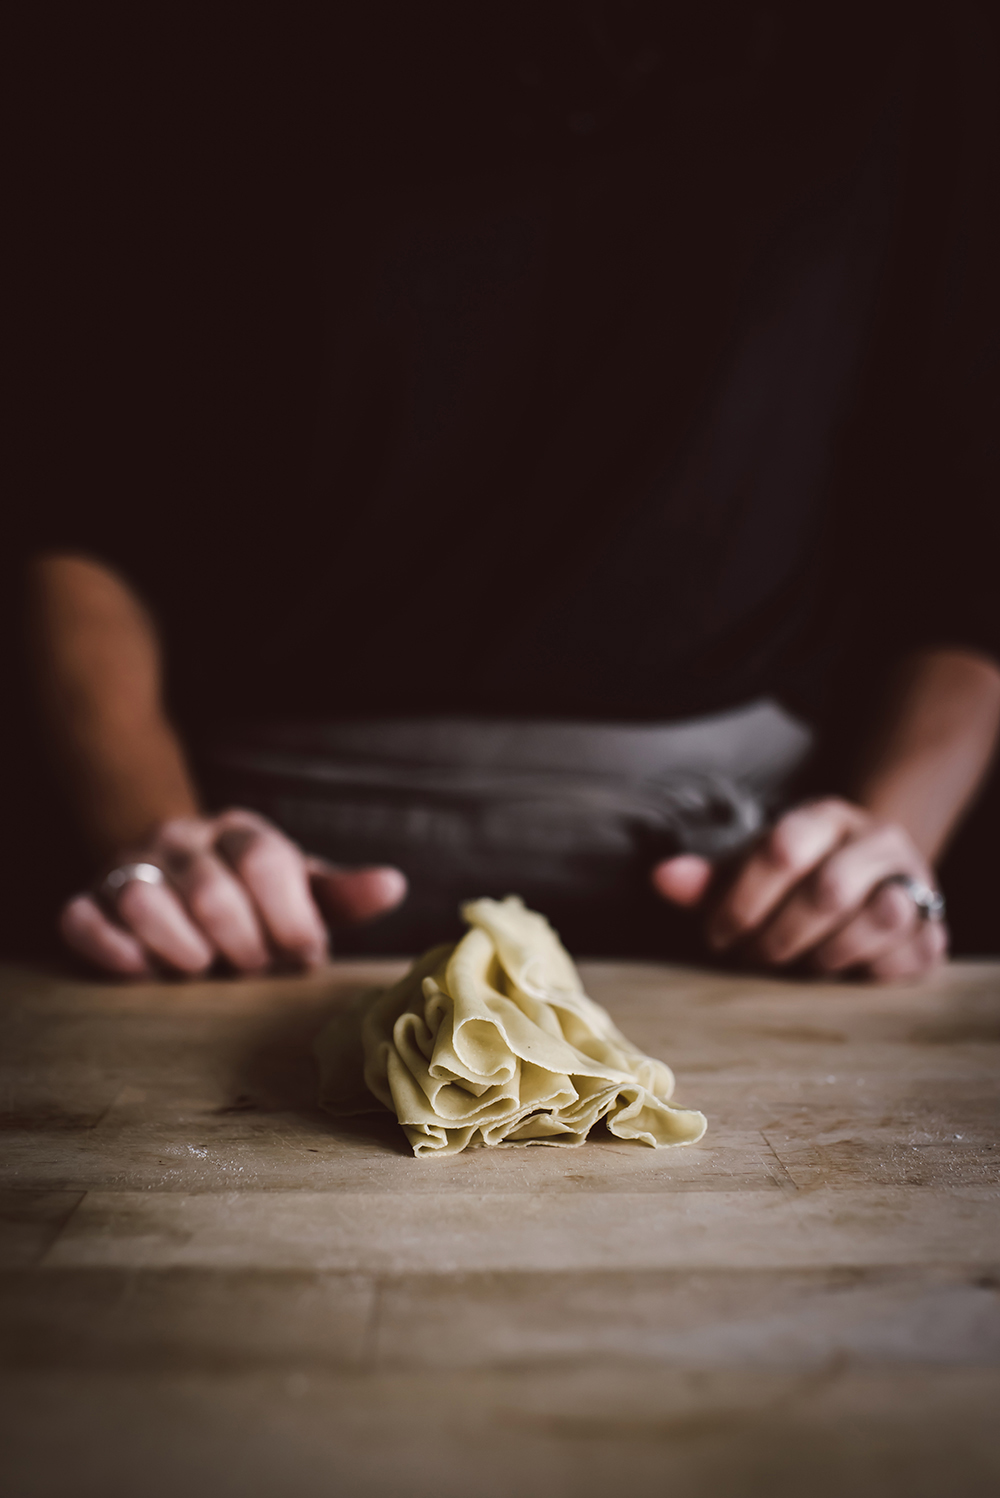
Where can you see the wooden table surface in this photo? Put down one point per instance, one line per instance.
(210, 1287)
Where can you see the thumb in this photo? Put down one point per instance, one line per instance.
(682, 880)
(352, 896)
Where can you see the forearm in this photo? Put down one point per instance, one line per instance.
(98, 669)
(935, 745)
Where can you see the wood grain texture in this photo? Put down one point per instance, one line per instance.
(207, 1285)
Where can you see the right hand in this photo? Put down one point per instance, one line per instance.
(814, 888)
(237, 888)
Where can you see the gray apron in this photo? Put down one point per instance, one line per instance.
(569, 815)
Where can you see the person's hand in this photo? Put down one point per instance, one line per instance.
(236, 888)
(814, 889)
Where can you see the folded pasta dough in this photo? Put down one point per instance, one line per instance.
(493, 1042)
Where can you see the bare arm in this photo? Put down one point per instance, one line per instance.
(99, 675)
(934, 747)
(815, 887)
(236, 887)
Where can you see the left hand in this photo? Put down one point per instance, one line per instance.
(236, 889)
(814, 889)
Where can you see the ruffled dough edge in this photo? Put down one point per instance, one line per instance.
(363, 1070)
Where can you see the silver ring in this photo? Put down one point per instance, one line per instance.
(127, 873)
(929, 901)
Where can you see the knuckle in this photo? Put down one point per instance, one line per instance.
(829, 890)
(891, 909)
(237, 845)
(784, 846)
(896, 846)
(832, 811)
(895, 835)
(134, 901)
(240, 819)
(208, 901)
(181, 834)
(260, 857)
(802, 832)
(180, 862)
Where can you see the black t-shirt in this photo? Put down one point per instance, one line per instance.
(528, 363)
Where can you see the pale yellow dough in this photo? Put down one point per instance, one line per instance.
(493, 1041)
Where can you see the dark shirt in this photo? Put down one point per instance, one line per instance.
(500, 363)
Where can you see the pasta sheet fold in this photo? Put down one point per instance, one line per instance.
(493, 1042)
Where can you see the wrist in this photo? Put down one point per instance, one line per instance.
(912, 797)
(934, 746)
(124, 816)
(124, 787)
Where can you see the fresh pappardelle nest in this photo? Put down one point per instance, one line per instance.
(491, 1042)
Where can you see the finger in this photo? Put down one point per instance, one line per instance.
(825, 900)
(221, 908)
(87, 931)
(154, 914)
(887, 920)
(356, 895)
(916, 958)
(273, 871)
(184, 835)
(682, 880)
(799, 842)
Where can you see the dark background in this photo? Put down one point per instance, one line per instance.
(166, 165)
